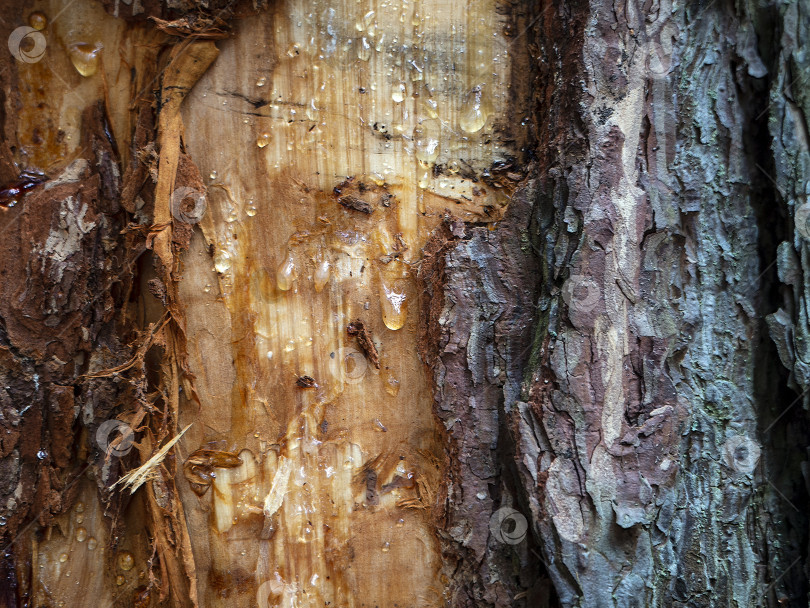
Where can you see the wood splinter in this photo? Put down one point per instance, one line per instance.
(358, 329)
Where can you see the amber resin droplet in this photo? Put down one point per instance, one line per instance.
(38, 21)
(475, 111)
(394, 303)
(263, 139)
(285, 276)
(321, 276)
(86, 57)
(126, 561)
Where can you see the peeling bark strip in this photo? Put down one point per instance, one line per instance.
(61, 242)
(67, 339)
(360, 332)
(477, 311)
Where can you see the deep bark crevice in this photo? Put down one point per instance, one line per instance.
(781, 525)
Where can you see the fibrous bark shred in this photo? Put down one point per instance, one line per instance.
(358, 329)
(200, 465)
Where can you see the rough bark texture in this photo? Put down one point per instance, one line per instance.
(61, 245)
(653, 389)
(661, 370)
(785, 160)
(478, 309)
(651, 375)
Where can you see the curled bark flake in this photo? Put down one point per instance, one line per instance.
(199, 467)
(358, 329)
(356, 204)
(198, 26)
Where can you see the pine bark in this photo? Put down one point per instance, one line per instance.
(653, 443)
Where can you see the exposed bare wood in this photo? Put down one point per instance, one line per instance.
(332, 140)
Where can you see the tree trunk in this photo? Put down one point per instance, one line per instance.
(423, 304)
